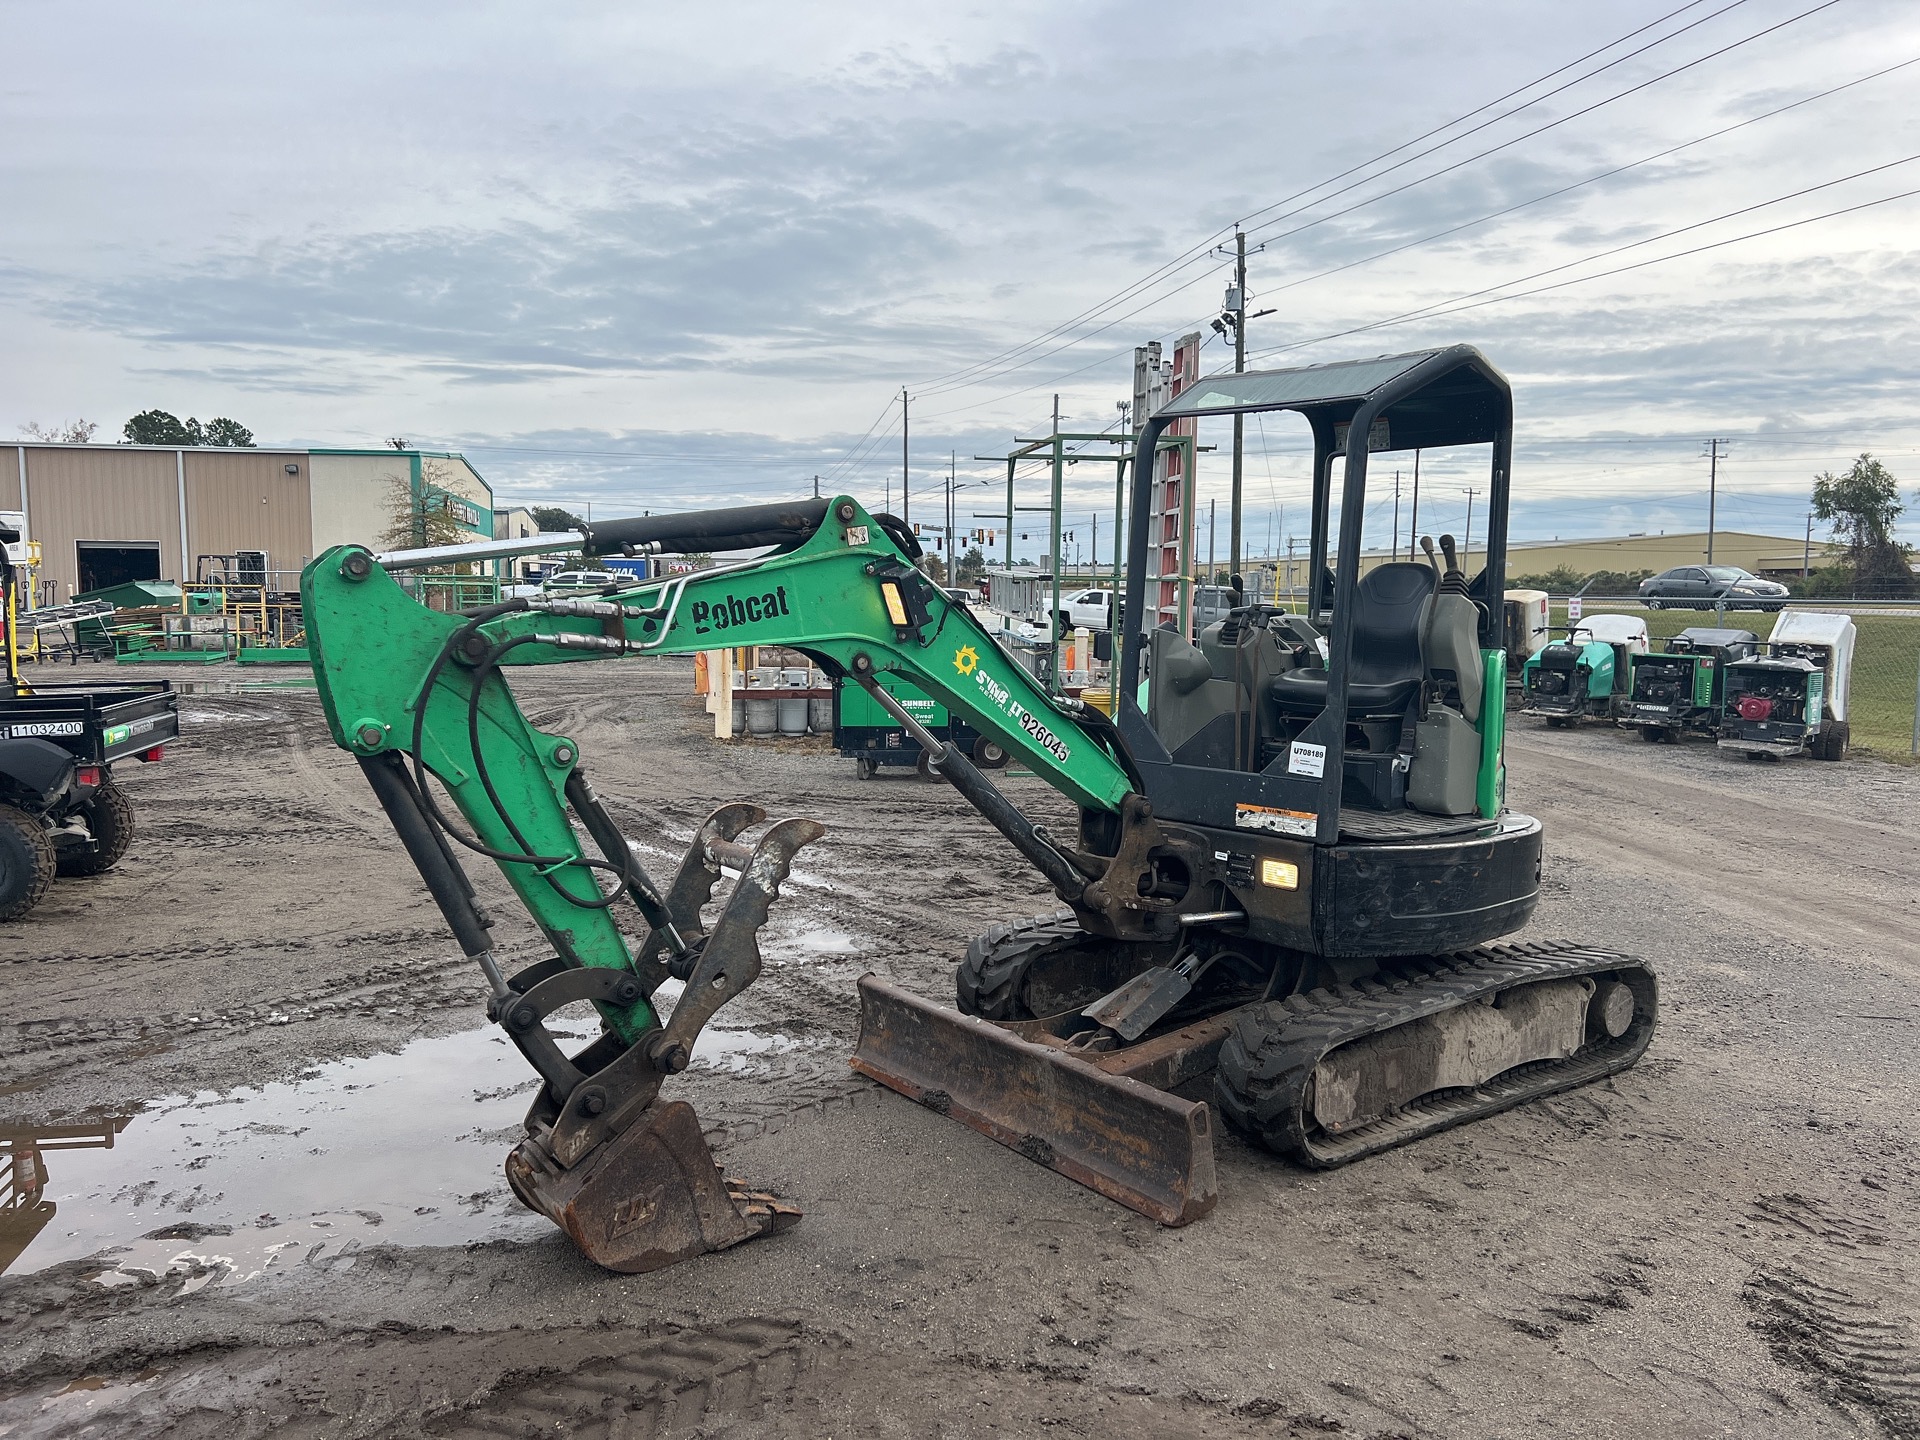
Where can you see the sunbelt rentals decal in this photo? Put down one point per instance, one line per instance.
(966, 661)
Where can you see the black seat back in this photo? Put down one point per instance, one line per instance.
(1388, 648)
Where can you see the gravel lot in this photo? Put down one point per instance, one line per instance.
(1721, 1241)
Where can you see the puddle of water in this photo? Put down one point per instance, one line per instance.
(830, 942)
(399, 1149)
(243, 687)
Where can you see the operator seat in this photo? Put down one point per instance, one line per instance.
(1388, 656)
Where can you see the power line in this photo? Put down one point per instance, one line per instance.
(1539, 130)
(1442, 308)
(976, 372)
(1590, 180)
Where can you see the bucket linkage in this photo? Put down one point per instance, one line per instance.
(628, 1176)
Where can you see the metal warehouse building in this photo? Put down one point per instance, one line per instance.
(103, 514)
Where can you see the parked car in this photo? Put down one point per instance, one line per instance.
(1091, 608)
(1699, 587)
(583, 580)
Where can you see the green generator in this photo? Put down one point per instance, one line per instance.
(872, 738)
(1679, 688)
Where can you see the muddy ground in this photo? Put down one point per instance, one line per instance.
(1718, 1242)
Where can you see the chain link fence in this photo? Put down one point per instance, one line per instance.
(1886, 662)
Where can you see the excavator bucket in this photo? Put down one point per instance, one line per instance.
(649, 1198)
(1150, 1150)
(626, 1174)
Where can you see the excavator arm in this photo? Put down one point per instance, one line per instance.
(421, 699)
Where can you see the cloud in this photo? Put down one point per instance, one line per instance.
(722, 240)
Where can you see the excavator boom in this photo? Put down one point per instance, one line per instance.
(421, 699)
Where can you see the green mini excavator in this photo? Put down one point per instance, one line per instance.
(1288, 895)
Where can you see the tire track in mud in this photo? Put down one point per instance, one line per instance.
(1586, 806)
(748, 1377)
(1834, 1298)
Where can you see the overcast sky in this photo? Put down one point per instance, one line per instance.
(665, 257)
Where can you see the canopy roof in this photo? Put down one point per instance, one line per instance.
(1465, 402)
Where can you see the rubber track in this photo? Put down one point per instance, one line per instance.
(987, 981)
(1269, 1058)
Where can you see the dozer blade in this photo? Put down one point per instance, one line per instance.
(649, 1198)
(1151, 1151)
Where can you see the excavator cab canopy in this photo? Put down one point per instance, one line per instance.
(1373, 629)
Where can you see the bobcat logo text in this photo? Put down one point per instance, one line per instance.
(731, 610)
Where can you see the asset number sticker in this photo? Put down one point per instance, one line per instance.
(1308, 760)
(856, 535)
(1272, 817)
(46, 727)
(1047, 740)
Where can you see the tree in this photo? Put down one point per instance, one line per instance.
(415, 521)
(552, 517)
(222, 431)
(74, 432)
(1861, 506)
(157, 427)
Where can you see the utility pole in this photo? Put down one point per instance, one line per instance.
(906, 510)
(1396, 519)
(1213, 575)
(816, 487)
(1806, 554)
(1239, 367)
(1714, 452)
(1467, 544)
(953, 561)
(1413, 523)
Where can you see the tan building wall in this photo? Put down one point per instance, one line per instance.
(1762, 554)
(115, 493)
(353, 497)
(247, 500)
(1758, 553)
(452, 472)
(514, 523)
(213, 501)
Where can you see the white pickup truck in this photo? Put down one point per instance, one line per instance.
(1091, 608)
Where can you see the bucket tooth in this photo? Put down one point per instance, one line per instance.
(1151, 1151)
(649, 1198)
